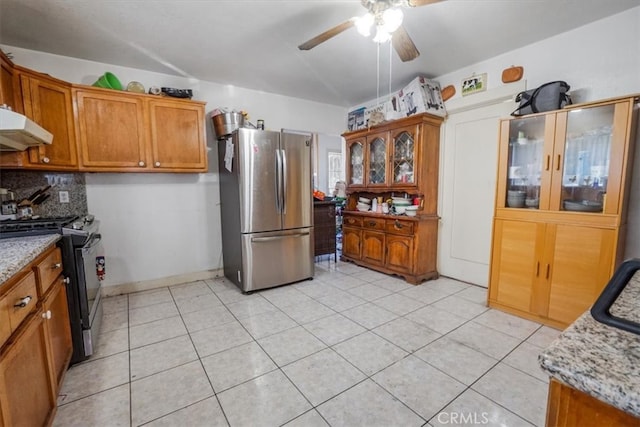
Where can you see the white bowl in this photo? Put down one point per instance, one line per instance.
(400, 209)
(412, 208)
(362, 209)
(411, 213)
(364, 200)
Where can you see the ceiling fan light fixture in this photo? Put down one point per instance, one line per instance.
(364, 23)
(392, 19)
(382, 35)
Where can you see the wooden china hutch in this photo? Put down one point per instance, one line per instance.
(560, 215)
(397, 158)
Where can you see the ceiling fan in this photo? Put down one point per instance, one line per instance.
(387, 16)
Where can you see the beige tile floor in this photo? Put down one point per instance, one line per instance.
(352, 347)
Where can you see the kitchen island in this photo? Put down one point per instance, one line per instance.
(17, 252)
(595, 369)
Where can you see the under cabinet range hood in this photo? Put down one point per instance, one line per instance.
(17, 132)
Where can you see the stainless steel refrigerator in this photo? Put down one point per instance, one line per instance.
(266, 207)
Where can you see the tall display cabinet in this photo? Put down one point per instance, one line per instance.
(560, 212)
(397, 158)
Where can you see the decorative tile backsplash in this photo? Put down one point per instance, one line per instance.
(25, 183)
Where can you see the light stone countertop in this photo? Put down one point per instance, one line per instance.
(17, 252)
(600, 360)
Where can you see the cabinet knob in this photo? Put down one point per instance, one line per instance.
(157, 164)
(372, 223)
(23, 302)
(66, 280)
(398, 225)
(56, 265)
(46, 314)
(140, 163)
(45, 160)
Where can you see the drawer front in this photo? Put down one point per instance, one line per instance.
(48, 270)
(373, 223)
(352, 221)
(398, 226)
(21, 300)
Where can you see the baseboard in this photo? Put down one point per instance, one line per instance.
(145, 285)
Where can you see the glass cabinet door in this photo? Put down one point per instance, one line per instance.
(403, 159)
(525, 162)
(356, 166)
(377, 160)
(587, 156)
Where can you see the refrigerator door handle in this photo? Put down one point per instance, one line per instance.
(284, 181)
(278, 183)
(272, 238)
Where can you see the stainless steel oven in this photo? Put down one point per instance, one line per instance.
(81, 245)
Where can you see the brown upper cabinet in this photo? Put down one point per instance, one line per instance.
(47, 101)
(7, 83)
(111, 131)
(397, 156)
(127, 132)
(100, 130)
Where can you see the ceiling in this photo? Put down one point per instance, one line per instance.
(253, 44)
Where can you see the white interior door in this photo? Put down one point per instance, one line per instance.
(469, 156)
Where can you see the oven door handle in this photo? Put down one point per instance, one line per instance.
(93, 241)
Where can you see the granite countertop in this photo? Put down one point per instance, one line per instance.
(17, 252)
(600, 360)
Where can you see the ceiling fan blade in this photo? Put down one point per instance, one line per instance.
(321, 38)
(416, 3)
(403, 44)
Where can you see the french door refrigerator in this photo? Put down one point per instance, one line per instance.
(266, 207)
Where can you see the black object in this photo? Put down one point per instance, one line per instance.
(601, 310)
(177, 93)
(547, 97)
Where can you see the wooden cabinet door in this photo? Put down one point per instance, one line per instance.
(515, 263)
(351, 242)
(27, 398)
(177, 135)
(404, 155)
(58, 330)
(377, 173)
(49, 104)
(580, 262)
(111, 131)
(355, 163)
(7, 92)
(399, 253)
(373, 248)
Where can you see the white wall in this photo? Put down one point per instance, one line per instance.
(161, 225)
(599, 60)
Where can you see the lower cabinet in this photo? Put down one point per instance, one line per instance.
(394, 245)
(549, 272)
(567, 407)
(35, 353)
(26, 397)
(56, 314)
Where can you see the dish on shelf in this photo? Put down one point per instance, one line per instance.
(362, 209)
(532, 203)
(364, 200)
(136, 87)
(582, 206)
(411, 210)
